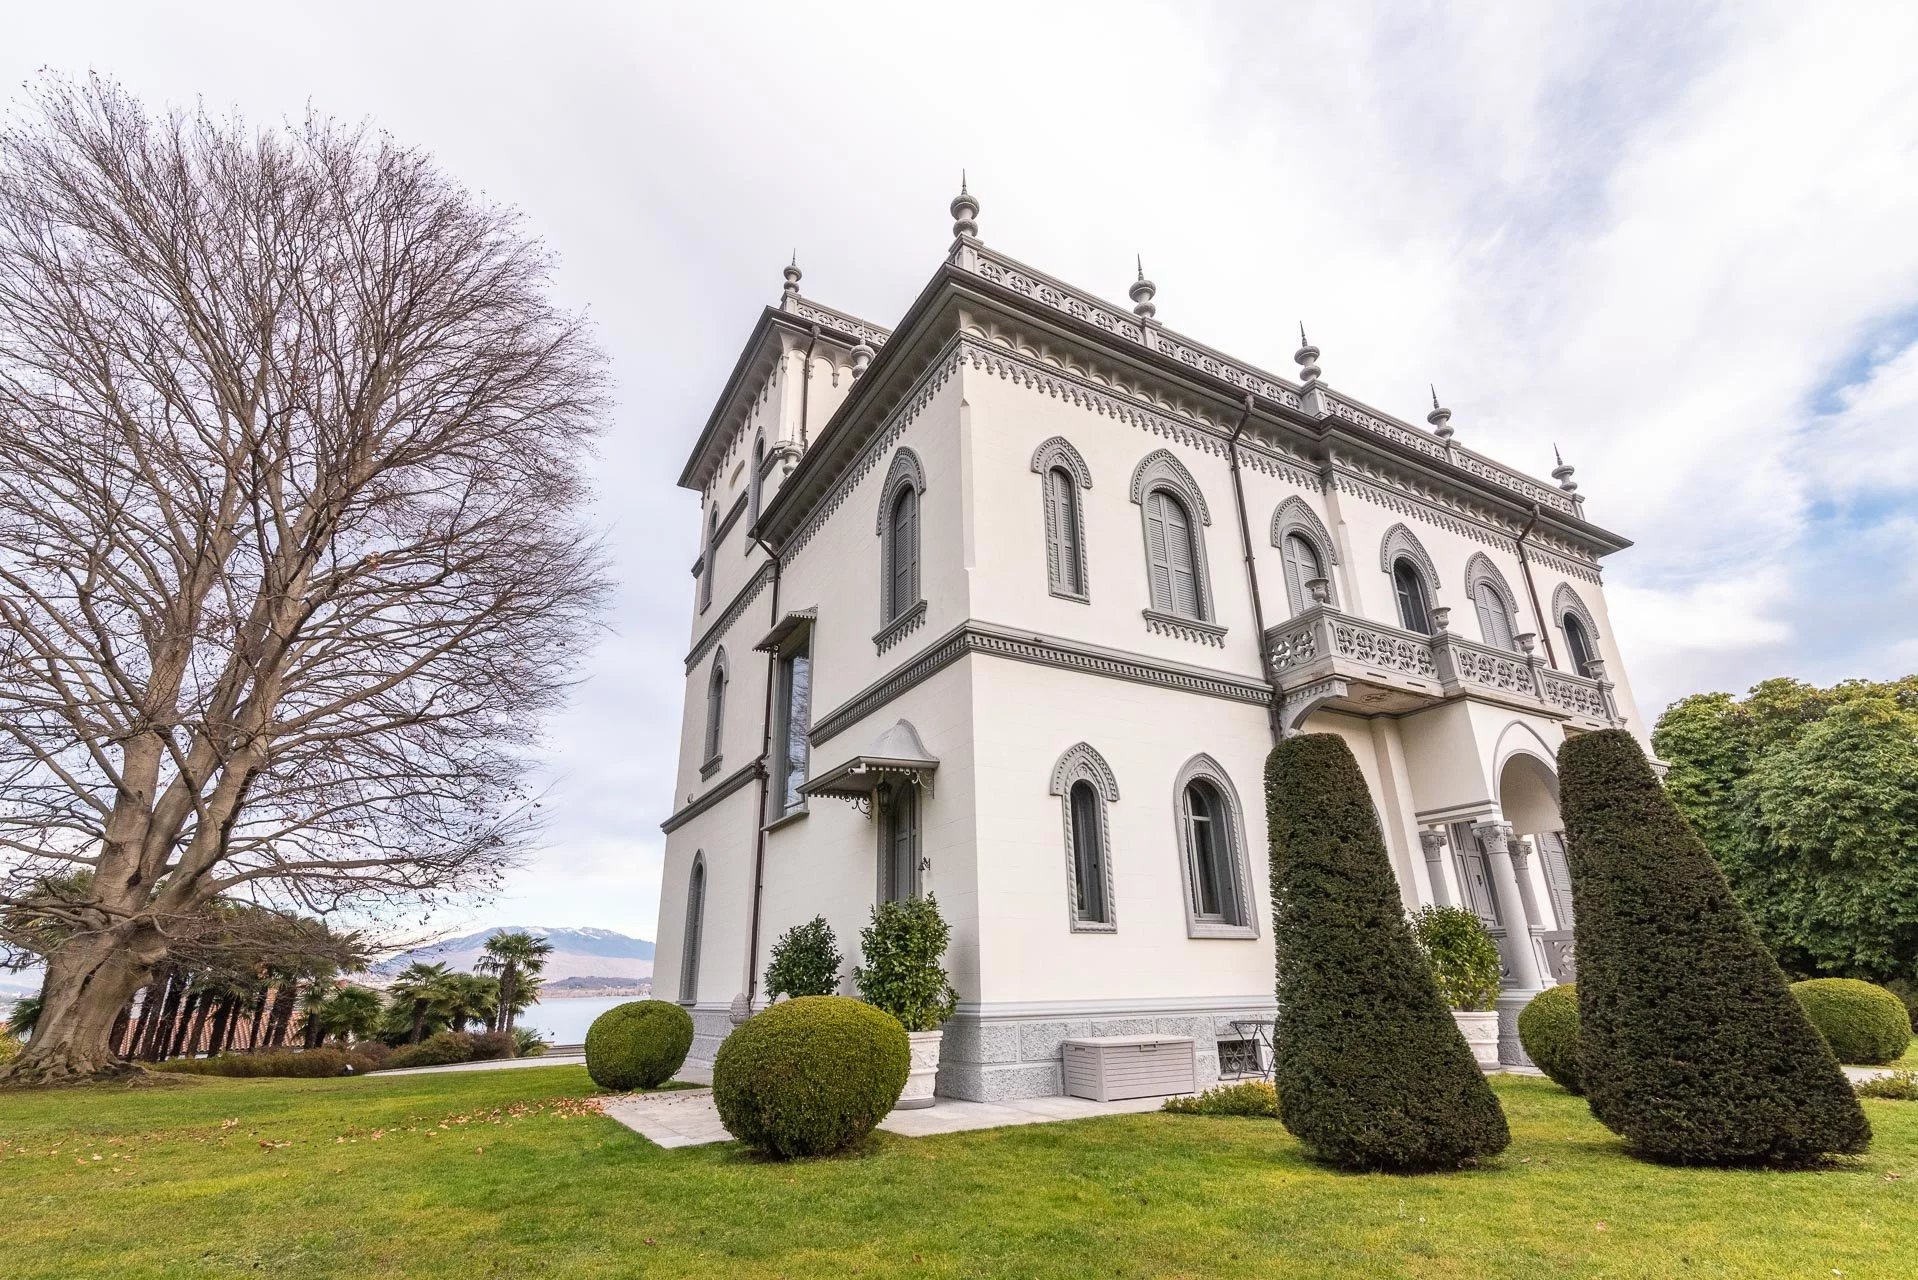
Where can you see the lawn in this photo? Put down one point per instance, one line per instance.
(486, 1174)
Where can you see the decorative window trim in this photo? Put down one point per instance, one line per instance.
(707, 560)
(714, 737)
(1082, 763)
(905, 469)
(755, 482)
(1564, 601)
(693, 934)
(890, 634)
(1400, 542)
(1177, 625)
(1161, 469)
(1204, 766)
(1295, 515)
(1057, 454)
(1481, 569)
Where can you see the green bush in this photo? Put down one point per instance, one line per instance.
(1906, 990)
(311, 1064)
(1548, 1032)
(638, 1045)
(1372, 1072)
(1246, 1098)
(441, 1049)
(905, 972)
(11, 1046)
(1899, 1086)
(1862, 1022)
(490, 1046)
(1691, 1047)
(810, 1076)
(805, 961)
(1463, 956)
(528, 1043)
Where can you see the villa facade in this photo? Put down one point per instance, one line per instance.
(1008, 604)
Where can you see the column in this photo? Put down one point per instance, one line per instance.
(1434, 845)
(1515, 902)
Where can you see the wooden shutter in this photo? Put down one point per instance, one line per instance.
(1558, 876)
(1157, 540)
(1301, 566)
(1493, 622)
(904, 587)
(715, 710)
(695, 925)
(1065, 529)
(1181, 559)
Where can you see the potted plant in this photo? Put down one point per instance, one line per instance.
(1465, 963)
(805, 961)
(905, 975)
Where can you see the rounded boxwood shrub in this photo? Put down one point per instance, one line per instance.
(1862, 1022)
(810, 1075)
(1548, 1032)
(1372, 1072)
(1690, 1046)
(638, 1045)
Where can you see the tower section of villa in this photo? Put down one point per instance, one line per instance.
(1008, 605)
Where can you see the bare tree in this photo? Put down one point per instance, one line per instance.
(291, 549)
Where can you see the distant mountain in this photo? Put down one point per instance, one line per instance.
(577, 953)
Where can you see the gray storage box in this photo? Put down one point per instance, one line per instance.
(1106, 1068)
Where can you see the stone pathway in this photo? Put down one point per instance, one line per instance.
(499, 1064)
(688, 1118)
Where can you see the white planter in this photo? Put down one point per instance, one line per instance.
(924, 1073)
(1481, 1032)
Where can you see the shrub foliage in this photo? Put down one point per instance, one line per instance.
(810, 1076)
(638, 1045)
(905, 971)
(1372, 1072)
(805, 961)
(441, 1049)
(309, 1064)
(1691, 1047)
(1861, 1022)
(1246, 1098)
(1899, 1086)
(1548, 1032)
(1463, 956)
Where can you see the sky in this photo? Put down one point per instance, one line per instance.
(1678, 241)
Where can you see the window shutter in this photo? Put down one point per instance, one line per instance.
(1088, 857)
(1301, 566)
(1558, 876)
(695, 925)
(1157, 538)
(1064, 528)
(1182, 558)
(1493, 622)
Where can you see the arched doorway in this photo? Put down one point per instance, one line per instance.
(1528, 797)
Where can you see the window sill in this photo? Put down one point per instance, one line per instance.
(1196, 630)
(1219, 929)
(1060, 593)
(708, 769)
(1094, 926)
(787, 819)
(887, 636)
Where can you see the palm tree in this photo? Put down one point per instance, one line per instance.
(517, 958)
(476, 999)
(425, 989)
(350, 1013)
(23, 1015)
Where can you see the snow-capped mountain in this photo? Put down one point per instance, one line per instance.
(601, 953)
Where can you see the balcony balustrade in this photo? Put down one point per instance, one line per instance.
(1328, 658)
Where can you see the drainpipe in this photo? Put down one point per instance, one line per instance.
(765, 783)
(1531, 588)
(1252, 570)
(805, 394)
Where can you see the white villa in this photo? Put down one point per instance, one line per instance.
(1009, 602)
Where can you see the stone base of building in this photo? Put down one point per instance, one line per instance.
(996, 1053)
(1510, 1052)
(712, 1023)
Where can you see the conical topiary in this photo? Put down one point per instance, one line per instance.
(1372, 1072)
(1691, 1047)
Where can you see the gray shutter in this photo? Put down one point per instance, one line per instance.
(1493, 622)
(1157, 540)
(715, 710)
(1558, 876)
(1181, 557)
(1065, 529)
(695, 925)
(1301, 566)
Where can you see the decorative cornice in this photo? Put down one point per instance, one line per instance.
(1047, 651)
(806, 309)
(890, 634)
(1183, 628)
(730, 614)
(712, 796)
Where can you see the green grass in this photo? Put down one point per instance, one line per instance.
(416, 1176)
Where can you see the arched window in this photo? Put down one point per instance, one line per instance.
(1415, 607)
(712, 550)
(1172, 556)
(1494, 623)
(1063, 473)
(1301, 566)
(903, 532)
(695, 926)
(755, 481)
(1579, 647)
(715, 707)
(1088, 855)
(1212, 849)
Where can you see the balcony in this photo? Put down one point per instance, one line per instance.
(1328, 659)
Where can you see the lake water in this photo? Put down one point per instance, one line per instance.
(565, 1021)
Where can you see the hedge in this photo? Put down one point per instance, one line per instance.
(811, 1075)
(1372, 1072)
(1691, 1047)
(1862, 1022)
(638, 1045)
(1548, 1032)
(288, 1063)
(1246, 1098)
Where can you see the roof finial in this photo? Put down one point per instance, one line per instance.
(1563, 473)
(1142, 292)
(862, 355)
(1440, 418)
(965, 210)
(1307, 358)
(792, 273)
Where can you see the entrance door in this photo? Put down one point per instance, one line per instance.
(1474, 875)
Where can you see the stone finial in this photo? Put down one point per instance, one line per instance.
(1142, 292)
(1441, 619)
(792, 274)
(1563, 473)
(1307, 358)
(1320, 590)
(1440, 418)
(965, 210)
(861, 359)
(1526, 641)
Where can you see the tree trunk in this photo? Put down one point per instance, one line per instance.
(419, 1021)
(176, 1044)
(199, 1026)
(119, 1033)
(169, 1014)
(89, 981)
(508, 989)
